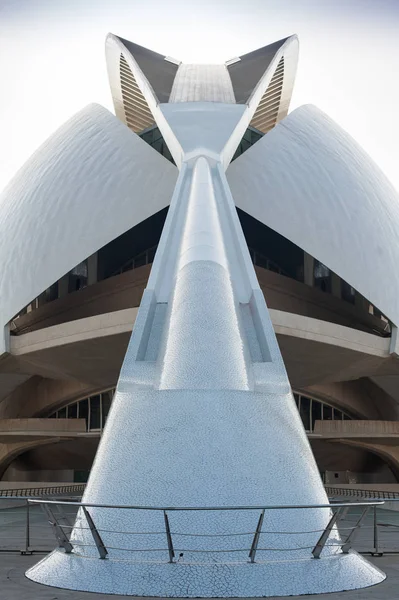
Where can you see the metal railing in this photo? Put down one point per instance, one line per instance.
(361, 493)
(23, 527)
(43, 491)
(254, 541)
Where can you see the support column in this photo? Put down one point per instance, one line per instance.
(92, 263)
(336, 285)
(308, 264)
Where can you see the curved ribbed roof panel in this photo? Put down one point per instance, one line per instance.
(91, 181)
(202, 83)
(309, 180)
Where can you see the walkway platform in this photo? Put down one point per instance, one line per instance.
(15, 586)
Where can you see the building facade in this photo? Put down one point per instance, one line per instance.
(82, 220)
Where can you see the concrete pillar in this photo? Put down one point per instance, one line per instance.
(63, 286)
(308, 263)
(335, 285)
(362, 303)
(92, 263)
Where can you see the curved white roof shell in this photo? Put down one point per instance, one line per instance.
(309, 180)
(91, 181)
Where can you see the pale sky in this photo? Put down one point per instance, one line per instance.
(52, 59)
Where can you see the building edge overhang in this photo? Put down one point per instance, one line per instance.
(149, 103)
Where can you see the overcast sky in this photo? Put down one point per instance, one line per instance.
(52, 59)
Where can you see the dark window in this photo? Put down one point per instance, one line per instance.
(72, 411)
(84, 410)
(327, 413)
(347, 292)
(305, 412)
(154, 138)
(316, 412)
(106, 405)
(250, 137)
(62, 413)
(78, 277)
(95, 412)
(322, 277)
(52, 292)
(140, 260)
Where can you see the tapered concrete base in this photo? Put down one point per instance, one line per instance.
(229, 580)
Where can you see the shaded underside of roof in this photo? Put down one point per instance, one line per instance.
(159, 72)
(246, 72)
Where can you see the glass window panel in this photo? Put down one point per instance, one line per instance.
(296, 398)
(52, 292)
(347, 417)
(95, 412)
(347, 292)
(273, 267)
(247, 135)
(322, 277)
(316, 412)
(327, 412)
(127, 267)
(337, 415)
(62, 413)
(151, 254)
(140, 260)
(106, 405)
(84, 410)
(305, 412)
(261, 261)
(157, 145)
(72, 411)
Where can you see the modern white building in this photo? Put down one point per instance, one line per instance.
(286, 209)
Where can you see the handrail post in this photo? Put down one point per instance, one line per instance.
(168, 537)
(255, 541)
(58, 531)
(376, 542)
(27, 532)
(325, 535)
(349, 540)
(96, 536)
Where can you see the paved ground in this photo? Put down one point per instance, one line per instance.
(15, 586)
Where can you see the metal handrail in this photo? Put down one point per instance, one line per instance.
(362, 493)
(40, 491)
(206, 508)
(68, 544)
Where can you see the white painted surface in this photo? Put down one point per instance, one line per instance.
(203, 127)
(202, 83)
(89, 183)
(308, 180)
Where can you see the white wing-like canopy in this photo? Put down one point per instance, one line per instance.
(91, 181)
(310, 181)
